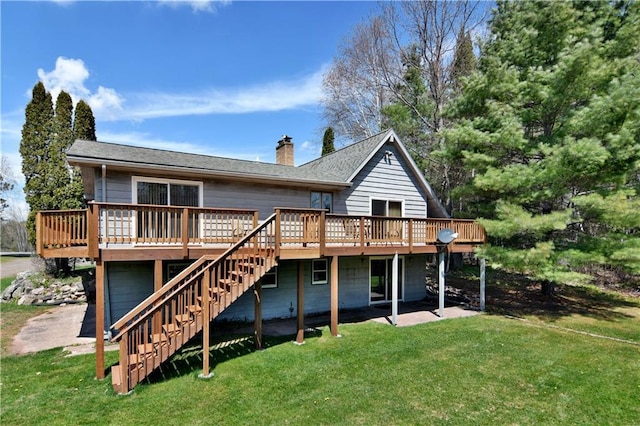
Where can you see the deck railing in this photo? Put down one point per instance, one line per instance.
(107, 225)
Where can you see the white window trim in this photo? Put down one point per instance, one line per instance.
(275, 273)
(402, 273)
(136, 179)
(326, 270)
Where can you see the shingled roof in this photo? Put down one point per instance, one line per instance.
(344, 163)
(336, 170)
(84, 152)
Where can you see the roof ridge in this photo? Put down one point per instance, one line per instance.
(346, 147)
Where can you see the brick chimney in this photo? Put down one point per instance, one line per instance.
(284, 151)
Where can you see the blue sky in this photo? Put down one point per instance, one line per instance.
(219, 78)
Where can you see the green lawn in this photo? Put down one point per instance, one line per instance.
(488, 369)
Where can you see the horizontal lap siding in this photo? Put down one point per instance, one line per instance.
(253, 197)
(219, 194)
(384, 179)
(414, 277)
(128, 284)
(118, 188)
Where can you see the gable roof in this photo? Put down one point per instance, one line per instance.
(347, 162)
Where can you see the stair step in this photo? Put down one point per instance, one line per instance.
(172, 329)
(146, 348)
(159, 338)
(183, 318)
(194, 308)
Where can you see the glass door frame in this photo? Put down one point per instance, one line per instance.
(387, 286)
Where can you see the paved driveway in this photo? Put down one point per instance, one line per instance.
(11, 266)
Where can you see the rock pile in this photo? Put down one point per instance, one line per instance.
(34, 288)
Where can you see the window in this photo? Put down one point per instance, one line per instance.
(386, 208)
(270, 279)
(319, 271)
(165, 225)
(322, 200)
(166, 192)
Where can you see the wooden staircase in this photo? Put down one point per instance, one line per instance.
(160, 325)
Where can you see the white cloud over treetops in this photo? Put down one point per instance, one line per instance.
(70, 75)
(108, 104)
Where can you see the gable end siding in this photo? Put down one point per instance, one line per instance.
(387, 178)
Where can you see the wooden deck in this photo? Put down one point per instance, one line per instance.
(109, 231)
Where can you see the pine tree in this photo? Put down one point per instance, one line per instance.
(464, 60)
(34, 149)
(50, 184)
(327, 142)
(548, 131)
(84, 124)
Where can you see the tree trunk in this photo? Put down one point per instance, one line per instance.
(548, 288)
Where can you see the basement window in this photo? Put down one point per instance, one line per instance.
(319, 271)
(270, 279)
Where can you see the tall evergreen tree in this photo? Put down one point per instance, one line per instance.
(50, 184)
(548, 131)
(84, 124)
(464, 60)
(327, 142)
(34, 149)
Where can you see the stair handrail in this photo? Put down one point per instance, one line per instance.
(146, 308)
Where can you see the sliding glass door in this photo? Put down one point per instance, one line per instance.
(380, 279)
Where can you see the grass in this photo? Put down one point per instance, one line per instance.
(488, 369)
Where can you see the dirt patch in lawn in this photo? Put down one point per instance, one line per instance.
(516, 295)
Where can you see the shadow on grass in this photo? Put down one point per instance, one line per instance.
(516, 295)
(223, 348)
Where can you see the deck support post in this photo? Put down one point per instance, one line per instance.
(334, 296)
(257, 321)
(99, 319)
(206, 306)
(300, 326)
(441, 283)
(394, 290)
(483, 263)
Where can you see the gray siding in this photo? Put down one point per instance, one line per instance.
(254, 197)
(353, 289)
(385, 178)
(218, 194)
(128, 284)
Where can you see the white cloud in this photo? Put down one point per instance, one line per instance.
(273, 96)
(70, 75)
(108, 104)
(207, 6)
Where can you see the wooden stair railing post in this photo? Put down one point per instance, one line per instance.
(125, 382)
